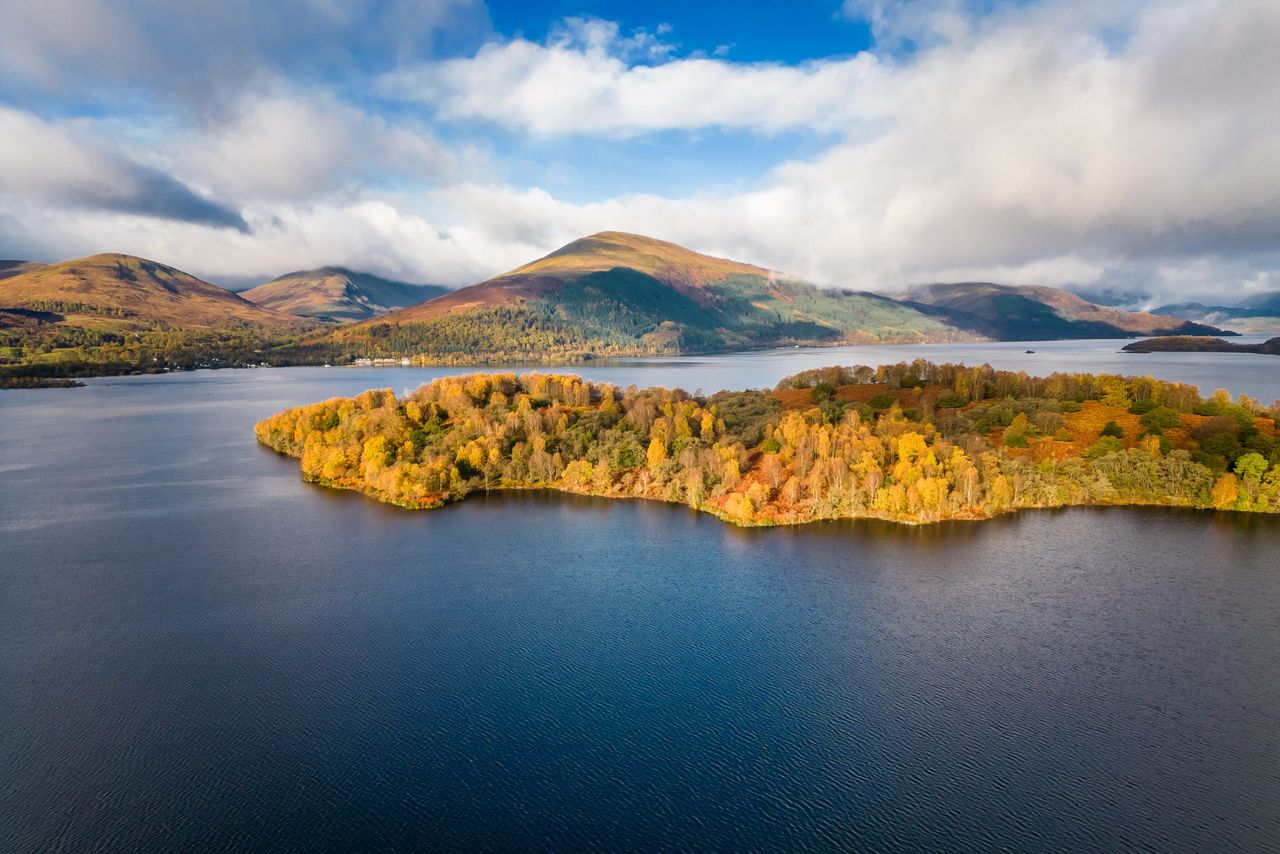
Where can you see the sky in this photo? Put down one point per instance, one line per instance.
(1120, 147)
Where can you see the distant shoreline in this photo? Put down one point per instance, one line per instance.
(1200, 344)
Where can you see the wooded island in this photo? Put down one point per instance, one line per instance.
(912, 442)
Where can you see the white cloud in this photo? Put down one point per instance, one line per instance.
(370, 235)
(1054, 143)
(201, 49)
(1121, 144)
(295, 145)
(586, 79)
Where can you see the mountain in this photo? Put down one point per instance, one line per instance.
(337, 295)
(125, 293)
(624, 294)
(1268, 302)
(1259, 313)
(1036, 312)
(117, 314)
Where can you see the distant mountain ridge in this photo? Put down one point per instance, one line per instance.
(1027, 312)
(1258, 313)
(338, 295)
(609, 294)
(615, 293)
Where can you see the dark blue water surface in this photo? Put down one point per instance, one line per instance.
(198, 651)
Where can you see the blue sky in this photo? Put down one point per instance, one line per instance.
(762, 32)
(1130, 145)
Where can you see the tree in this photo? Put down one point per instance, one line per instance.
(1225, 492)
(657, 452)
(1251, 468)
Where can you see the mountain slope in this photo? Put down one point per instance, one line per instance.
(124, 293)
(1268, 302)
(117, 314)
(336, 294)
(1260, 313)
(8, 269)
(618, 293)
(1036, 312)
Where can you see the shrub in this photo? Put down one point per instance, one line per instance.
(1215, 425)
(1063, 435)
(1212, 462)
(883, 400)
(1048, 422)
(1071, 406)
(1017, 440)
(1113, 430)
(831, 410)
(1142, 407)
(910, 381)
(821, 392)
(1159, 418)
(1223, 445)
(951, 401)
(1165, 444)
(1102, 447)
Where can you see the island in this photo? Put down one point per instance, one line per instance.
(912, 442)
(1200, 344)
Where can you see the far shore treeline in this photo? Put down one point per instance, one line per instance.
(912, 442)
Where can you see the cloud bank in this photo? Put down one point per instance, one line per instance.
(1131, 146)
(63, 165)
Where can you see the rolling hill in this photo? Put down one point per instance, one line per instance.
(338, 295)
(113, 314)
(624, 294)
(1025, 313)
(122, 293)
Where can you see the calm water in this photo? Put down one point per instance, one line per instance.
(199, 651)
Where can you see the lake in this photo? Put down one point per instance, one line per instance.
(198, 651)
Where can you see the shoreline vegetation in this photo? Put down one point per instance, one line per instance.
(1200, 344)
(914, 443)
